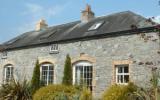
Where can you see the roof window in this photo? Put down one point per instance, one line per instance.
(47, 35)
(96, 26)
(12, 41)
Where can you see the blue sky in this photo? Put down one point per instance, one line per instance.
(19, 16)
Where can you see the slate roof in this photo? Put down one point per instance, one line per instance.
(75, 30)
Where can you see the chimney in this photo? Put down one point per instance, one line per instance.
(87, 14)
(41, 25)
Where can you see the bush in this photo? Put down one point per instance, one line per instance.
(54, 92)
(119, 92)
(15, 90)
(62, 92)
(86, 94)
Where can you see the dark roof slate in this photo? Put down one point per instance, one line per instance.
(112, 23)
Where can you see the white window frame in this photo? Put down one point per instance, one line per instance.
(11, 72)
(48, 65)
(83, 64)
(4, 54)
(54, 48)
(95, 26)
(122, 74)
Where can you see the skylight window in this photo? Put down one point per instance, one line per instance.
(47, 35)
(96, 26)
(12, 41)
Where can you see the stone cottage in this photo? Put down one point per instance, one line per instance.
(117, 48)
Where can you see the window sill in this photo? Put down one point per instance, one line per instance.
(54, 52)
(4, 57)
(122, 83)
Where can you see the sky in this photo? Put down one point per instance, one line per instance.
(19, 16)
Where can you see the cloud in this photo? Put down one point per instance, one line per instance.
(37, 12)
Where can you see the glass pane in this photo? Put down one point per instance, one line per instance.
(50, 67)
(126, 70)
(85, 75)
(120, 79)
(126, 78)
(120, 70)
(85, 68)
(44, 67)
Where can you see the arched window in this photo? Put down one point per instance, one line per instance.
(47, 73)
(8, 73)
(83, 73)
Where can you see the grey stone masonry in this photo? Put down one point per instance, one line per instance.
(141, 49)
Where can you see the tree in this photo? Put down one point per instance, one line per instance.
(35, 82)
(155, 82)
(67, 78)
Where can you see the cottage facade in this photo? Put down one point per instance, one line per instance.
(117, 48)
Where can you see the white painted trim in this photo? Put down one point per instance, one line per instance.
(47, 64)
(5, 71)
(123, 74)
(81, 63)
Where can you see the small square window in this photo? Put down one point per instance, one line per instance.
(122, 74)
(54, 48)
(4, 54)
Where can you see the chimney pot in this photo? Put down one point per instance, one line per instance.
(41, 25)
(87, 14)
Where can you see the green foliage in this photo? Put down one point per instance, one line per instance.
(155, 78)
(155, 82)
(151, 93)
(15, 90)
(119, 92)
(62, 92)
(67, 78)
(86, 94)
(35, 82)
(56, 92)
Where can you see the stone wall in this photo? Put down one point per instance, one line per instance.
(140, 50)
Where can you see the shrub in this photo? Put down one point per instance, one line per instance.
(53, 92)
(15, 90)
(119, 92)
(86, 94)
(67, 78)
(35, 82)
(62, 92)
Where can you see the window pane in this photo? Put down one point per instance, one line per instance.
(126, 78)
(126, 70)
(50, 67)
(120, 79)
(120, 69)
(44, 67)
